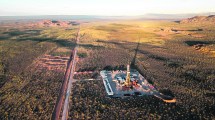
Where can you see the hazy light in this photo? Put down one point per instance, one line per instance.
(104, 7)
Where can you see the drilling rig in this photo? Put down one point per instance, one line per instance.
(128, 78)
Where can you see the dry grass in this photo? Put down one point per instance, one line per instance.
(166, 56)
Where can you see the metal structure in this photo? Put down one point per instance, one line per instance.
(128, 78)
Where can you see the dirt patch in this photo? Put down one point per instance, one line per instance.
(196, 35)
(49, 62)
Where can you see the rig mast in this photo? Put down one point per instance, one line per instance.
(128, 78)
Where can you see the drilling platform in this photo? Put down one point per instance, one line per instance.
(129, 83)
(125, 83)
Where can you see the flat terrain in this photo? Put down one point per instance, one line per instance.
(177, 58)
(33, 61)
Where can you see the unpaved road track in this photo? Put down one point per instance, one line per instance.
(66, 103)
(67, 84)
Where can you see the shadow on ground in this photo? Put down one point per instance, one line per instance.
(193, 42)
(61, 42)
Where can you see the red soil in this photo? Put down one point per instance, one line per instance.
(52, 63)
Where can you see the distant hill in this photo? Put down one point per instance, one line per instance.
(153, 16)
(150, 16)
(198, 19)
(53, 23)
(49, 23)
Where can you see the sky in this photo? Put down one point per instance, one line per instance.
(104, 7)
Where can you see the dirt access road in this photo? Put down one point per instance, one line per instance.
(67, 84)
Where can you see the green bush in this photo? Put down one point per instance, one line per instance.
(82, 55)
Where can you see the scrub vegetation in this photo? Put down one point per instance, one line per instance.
(174, 57)
(30, 81)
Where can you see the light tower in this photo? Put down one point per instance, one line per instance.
(128, 79)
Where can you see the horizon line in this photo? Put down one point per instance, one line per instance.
(109, 15)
